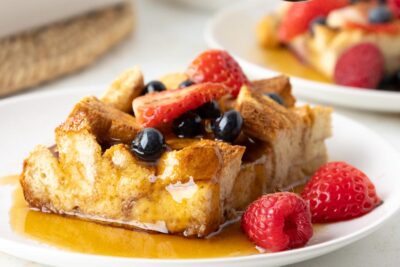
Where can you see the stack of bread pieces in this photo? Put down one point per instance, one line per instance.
(197, 185)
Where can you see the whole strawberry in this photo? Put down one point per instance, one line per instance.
(339, 191)
(217, 66)
(278, 222)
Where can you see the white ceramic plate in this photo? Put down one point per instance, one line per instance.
(29, 120)
(233, 29)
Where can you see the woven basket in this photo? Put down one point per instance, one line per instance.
(41, 55)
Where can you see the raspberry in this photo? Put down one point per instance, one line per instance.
(217, 66)
(278, 222)
(339, 191)
(394, 5)
(361, 65)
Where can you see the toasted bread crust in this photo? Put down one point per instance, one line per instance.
(124, 89)
(107, 123)
(184, 194)
(122, 191)
(296, 136)
(280, 85)
(264, 118)
(267, 31)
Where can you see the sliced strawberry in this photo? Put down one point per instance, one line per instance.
(361, 65)
(217, 66)
(162, 107)
(388, 28)
(299, 15)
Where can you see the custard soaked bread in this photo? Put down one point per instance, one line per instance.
(294, 138)
(195, 184)
(184, 193)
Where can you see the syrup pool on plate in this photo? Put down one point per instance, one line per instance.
(282, 60)
(88, 237)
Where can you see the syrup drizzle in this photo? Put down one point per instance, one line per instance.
(82, 236)
(9, 180)
(282, 60)
(87, 237)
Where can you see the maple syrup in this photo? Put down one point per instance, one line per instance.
(88, 237)
(9, 180)
(92, 238)
(282, 60)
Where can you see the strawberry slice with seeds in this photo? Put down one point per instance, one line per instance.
(162, 107)
(299, 15)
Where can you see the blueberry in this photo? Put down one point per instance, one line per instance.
(148, 145)
(186, 83)
(277, 98)
(153, 86)
(380, 14)
(228, 126)
(317, 21)
(187, 125)
(209, 110)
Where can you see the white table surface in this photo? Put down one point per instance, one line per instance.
(166, 39)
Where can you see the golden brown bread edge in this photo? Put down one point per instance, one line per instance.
(194, 188)
(184, 193)
(294, 138)
(126, 87)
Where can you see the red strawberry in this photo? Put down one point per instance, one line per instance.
(361, 65)
(394, 5)
(339, 191)
(278, 222)
(217, 66)
(156, 108)
(299, 15)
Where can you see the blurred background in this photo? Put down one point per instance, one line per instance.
(87, 43)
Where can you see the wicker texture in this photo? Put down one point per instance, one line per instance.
(40, 55)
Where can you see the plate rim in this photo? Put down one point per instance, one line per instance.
(307, 252)
(258, 70)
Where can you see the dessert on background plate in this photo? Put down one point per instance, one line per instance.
(188, 154)
(352, 43)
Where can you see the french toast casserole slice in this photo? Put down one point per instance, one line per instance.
(195, 186)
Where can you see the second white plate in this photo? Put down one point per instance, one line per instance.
(233, 29)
